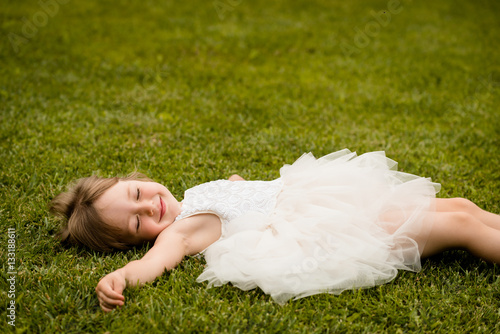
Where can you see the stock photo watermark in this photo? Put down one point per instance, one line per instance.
(293, 277)
(223, 7)
(11, 276)
(363, 37)
(31, 26)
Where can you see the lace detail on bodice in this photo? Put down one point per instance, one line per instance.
(230, 199)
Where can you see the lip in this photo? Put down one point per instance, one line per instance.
(162, 209)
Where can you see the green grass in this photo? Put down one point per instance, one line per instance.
(184, 95)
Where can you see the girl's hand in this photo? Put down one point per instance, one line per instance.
(109, 291)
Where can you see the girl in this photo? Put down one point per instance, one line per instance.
(326, 225)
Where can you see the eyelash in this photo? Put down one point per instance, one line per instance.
(138, 219)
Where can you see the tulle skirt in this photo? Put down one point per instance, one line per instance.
(340, 222)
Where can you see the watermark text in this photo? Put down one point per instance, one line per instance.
(11, 274)
(30, 27)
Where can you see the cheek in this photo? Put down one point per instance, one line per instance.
(152, 230)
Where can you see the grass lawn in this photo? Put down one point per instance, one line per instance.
(192, 91)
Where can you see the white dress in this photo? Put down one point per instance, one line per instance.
(326, 225)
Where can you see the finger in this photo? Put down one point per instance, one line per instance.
(110, 300)
(105, 308)
(108, 307)
(113, 294)
(108, 291)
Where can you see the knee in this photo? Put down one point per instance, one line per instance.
(464, 205)
(464, 221)
(453, 230)
(463, 227)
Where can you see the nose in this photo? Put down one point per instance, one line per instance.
(147, 208)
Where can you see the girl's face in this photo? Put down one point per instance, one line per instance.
(141, 210)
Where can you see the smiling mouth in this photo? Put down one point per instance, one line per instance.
(162, 209)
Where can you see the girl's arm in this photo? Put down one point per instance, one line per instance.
(190, 237)
(167, 252)
(236, 177)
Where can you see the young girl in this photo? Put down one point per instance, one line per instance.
(326, 225)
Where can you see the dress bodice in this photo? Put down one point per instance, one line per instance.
(230, 199)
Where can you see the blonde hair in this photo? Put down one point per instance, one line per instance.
(81, 223)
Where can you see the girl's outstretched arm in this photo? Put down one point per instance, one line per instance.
(168, 251)
(190, 236)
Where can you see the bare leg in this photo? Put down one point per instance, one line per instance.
(466, 206)
(464, 231)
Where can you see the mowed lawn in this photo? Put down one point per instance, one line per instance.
(192, 91)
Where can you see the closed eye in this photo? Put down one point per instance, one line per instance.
(138, 193)
(138, 224)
